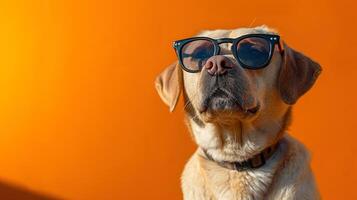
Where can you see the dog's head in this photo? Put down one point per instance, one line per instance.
(234, 111)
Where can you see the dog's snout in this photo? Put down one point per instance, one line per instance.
(218, 65)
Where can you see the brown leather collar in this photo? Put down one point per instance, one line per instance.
(255, 162)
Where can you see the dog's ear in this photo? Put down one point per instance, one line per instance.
(168, 84)
(297, 75)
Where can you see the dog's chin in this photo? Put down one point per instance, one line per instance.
(225, 110)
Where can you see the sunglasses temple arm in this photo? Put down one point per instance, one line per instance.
(280, 46)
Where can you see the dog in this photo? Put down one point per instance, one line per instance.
(238, 107)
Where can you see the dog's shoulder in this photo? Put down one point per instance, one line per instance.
(297, 157)
(193, 182)
(294, 176)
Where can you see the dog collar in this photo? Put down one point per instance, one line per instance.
(255, 162)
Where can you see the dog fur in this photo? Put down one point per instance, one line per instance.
(230, 137)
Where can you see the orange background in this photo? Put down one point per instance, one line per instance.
(80, 118)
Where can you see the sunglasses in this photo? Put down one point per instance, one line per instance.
(252, 51)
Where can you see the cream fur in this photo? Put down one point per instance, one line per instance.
(285, 176)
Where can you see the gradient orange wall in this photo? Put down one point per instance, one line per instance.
(80, 118)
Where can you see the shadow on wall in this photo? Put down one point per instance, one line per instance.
(14, 192)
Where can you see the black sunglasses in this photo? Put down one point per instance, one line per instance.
(252, 51)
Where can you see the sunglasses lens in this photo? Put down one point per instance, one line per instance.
(253, 52)
(195, 54)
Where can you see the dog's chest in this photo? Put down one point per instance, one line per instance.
(227, 184)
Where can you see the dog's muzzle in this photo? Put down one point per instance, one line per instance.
(225, 89)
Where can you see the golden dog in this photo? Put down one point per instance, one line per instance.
(238, 117)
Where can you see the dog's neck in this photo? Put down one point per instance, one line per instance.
(239, 143)
(255, 162)
(249, 184)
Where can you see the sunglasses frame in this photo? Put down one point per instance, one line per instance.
(272, 39)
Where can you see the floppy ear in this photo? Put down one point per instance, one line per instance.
(168, 84)
(297, 75)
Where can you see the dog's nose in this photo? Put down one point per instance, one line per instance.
(218, 65)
